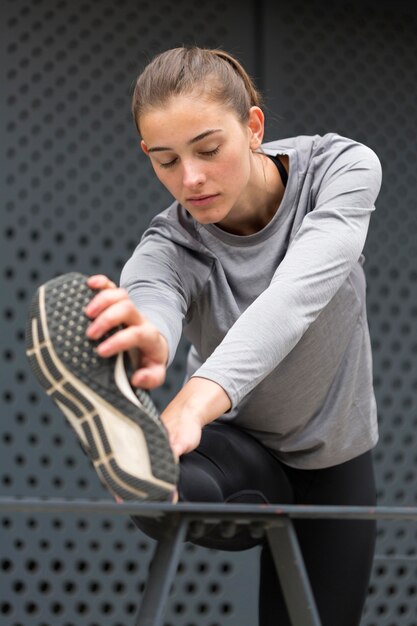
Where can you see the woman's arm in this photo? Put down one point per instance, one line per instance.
(328, 244)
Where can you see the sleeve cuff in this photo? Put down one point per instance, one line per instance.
(223, 381)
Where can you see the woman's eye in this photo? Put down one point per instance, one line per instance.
(206, 153)
(210, 153)
(169, 163)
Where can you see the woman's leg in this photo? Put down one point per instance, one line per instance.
(231, 466)
(338, 553)
(228, 466)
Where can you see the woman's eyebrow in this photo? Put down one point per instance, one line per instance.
(191, 141)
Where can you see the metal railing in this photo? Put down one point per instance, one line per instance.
(189, 519)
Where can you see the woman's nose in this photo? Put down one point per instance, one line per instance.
(193, 176)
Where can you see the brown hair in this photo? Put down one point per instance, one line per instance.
(183, 70)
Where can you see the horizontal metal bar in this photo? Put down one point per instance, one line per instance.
(241, 513)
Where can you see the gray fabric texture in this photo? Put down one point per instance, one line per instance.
(277, 318)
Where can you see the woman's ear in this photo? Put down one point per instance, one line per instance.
(144, 147)
(256, 126)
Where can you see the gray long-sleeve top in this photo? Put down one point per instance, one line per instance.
(277, 318)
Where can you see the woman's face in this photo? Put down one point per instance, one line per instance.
(202, 153)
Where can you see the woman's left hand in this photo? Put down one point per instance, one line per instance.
(184, 430)
(199, 402)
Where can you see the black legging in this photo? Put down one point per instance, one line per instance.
(231, 466)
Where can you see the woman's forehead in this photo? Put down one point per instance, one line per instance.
(185, 119)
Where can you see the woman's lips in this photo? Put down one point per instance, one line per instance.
(202, 200)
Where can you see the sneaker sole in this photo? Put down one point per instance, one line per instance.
(123, 437)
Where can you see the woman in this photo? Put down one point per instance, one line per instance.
(259, 261)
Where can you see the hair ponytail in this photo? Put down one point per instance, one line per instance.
(210, 72)
(254, 95)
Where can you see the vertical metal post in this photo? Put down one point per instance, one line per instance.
(292, 574)
(162, 571)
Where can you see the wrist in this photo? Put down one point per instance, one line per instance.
(204, 399)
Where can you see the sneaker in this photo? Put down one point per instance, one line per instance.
(118, 428)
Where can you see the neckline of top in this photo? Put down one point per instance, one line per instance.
(285, 205)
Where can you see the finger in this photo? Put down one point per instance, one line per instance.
(177, 450)
(123, 340)
(140, 335)
(104, 299)
(100, 281)
(121, 312)
(149, 377)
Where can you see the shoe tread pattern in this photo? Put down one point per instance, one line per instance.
(64, 302)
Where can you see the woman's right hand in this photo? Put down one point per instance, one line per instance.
(112, 307)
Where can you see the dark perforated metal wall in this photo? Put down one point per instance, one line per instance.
(77, 194)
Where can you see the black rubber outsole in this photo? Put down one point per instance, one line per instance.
(83, 385)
